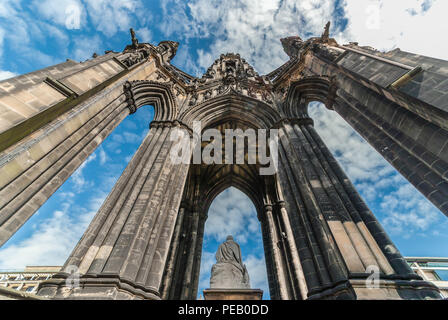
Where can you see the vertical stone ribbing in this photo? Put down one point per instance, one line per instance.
(354, 249)
(313, 184)
(128, 248)
(295, 260)
(188, 278)
(278, 266)
(288, 269)
(110, 216)
(395, 259)
(322, 264)
(126, 245)
(423, 166)
(25, 194)
(197, 258)
(157, 252)
(369, 252)
(271, 265)
(176, 287)
(173, 254)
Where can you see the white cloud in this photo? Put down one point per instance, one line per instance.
(256, 267)
(24, 34)
(360, 161)
(111, 16)
(103, 156)
(61, 11)
(254, 28)
(207, 261)
(144, 35)
(412, 25)
(6, 74)
(408, 212)
(251, 28)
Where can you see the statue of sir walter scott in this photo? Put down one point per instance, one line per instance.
(229, 272)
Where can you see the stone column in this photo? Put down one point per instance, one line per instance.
(173, 254)
(410, 143)
(321, 261)
(187, 283)
(197, 258)
(174, 285)
(408, 132)
(123, 253)
(371, 229)
(299, 277)
(337, 237)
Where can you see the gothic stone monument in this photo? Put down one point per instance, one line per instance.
(145, 241)
(229, 277)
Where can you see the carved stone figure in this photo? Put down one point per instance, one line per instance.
(229, 272)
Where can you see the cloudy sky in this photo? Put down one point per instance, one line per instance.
(38, 33)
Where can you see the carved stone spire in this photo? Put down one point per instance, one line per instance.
(134, 39)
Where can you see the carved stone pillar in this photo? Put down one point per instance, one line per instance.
(123, 253)
(337, 237)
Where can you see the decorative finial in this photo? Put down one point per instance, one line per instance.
(134, 39)
(326, 34)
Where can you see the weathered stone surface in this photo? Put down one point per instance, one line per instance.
(233, 294)
(229, 272)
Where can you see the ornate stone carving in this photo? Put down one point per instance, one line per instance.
(160, 75)
(134, 39)
(230, 73)
(229, 272)
(194, 99)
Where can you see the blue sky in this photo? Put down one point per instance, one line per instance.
(36, 34)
